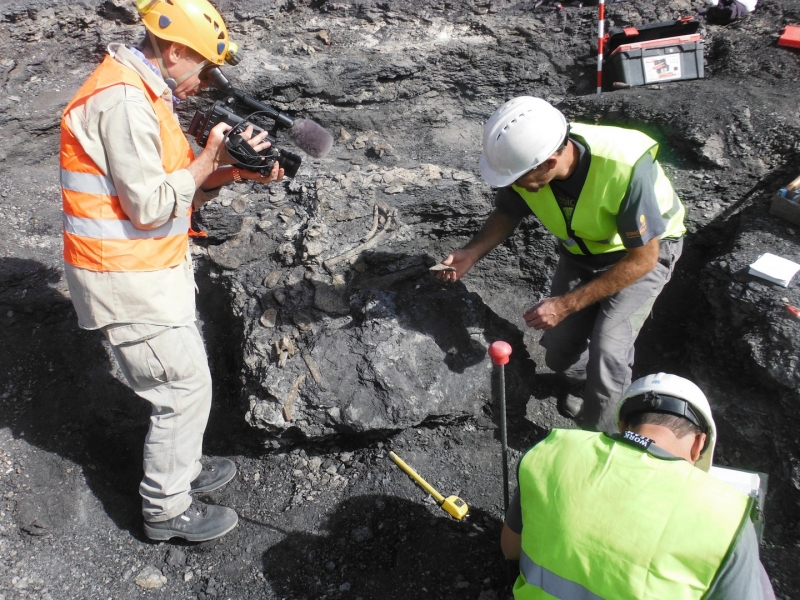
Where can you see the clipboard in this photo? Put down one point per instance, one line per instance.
(750, 483)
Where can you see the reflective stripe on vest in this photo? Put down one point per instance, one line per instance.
(98, 235)
(114, 229)
(87, 183)
(549, 582)
(614, 152)
(603, 519)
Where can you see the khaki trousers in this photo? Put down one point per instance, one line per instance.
(169, 369)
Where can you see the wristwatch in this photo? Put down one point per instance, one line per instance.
(236, 175)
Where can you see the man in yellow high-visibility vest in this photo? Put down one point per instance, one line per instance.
(603, 194)
(635, 514)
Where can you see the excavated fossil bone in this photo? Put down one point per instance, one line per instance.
(376, 217)
(287, 406)
(313, 368)
(285, 349)
(372, 239)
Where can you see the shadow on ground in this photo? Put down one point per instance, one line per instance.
(387, 547)
(61, 395)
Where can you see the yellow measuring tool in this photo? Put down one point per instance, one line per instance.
(453, 505)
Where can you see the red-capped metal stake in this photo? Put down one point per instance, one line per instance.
(500, 353)
(601, 20)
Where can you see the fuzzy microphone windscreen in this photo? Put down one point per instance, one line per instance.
(311, 137)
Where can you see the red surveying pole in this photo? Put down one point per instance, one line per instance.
(601, 19)
(499, 352)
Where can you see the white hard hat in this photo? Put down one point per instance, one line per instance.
(674, 395)
(519, 136)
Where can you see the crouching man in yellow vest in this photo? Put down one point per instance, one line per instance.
(634, 515)
(603, 194)
(129, 181)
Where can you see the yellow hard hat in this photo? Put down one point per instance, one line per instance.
(194, 23)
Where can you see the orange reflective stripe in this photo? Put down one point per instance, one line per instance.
(88, 193)
(91, 206)
(73, 158)
(109, 73)
(125, 255)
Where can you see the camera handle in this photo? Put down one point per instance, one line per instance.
(221, 82)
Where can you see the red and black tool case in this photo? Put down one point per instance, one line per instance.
(653, 53)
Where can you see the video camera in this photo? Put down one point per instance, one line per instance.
(238, 148)
(308, 135)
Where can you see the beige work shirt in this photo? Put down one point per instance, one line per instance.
(119, 130)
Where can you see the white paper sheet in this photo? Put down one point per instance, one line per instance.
(775, 269)
(747, 482)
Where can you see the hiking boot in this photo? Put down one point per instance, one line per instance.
(570, 404)
(198, 523)
(216, 473)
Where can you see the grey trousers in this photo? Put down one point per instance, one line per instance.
(169, 369)
(595, 346)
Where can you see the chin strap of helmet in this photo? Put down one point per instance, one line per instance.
(171, 82)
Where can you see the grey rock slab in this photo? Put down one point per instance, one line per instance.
(400, 357)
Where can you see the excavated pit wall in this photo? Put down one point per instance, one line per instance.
(405, 105)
